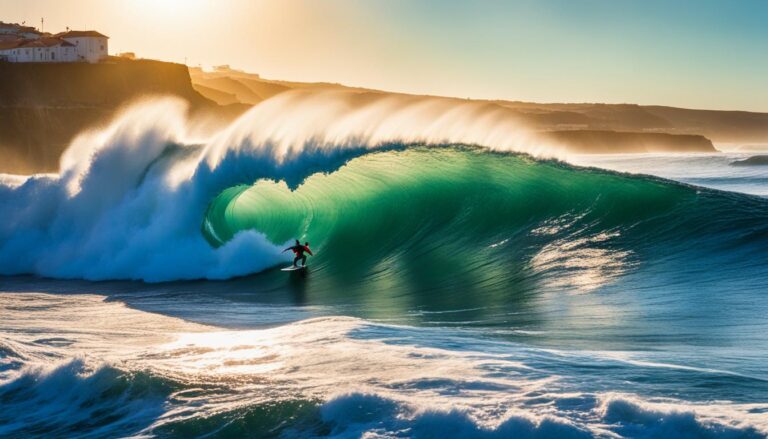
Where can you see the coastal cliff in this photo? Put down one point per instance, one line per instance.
(43, 106)
(92, 85)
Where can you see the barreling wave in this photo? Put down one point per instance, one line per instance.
(463, 221)
(130, 200)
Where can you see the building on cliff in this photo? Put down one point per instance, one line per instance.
(46, 49)
(91, 46)
(19, 30)
(20, 43)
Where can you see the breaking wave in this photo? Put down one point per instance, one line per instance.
(130, 199)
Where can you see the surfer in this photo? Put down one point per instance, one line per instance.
(299, 250)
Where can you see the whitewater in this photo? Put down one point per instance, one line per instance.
(470, 280)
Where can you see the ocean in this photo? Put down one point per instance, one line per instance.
(467, 282)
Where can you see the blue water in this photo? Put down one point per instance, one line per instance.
(456, 291)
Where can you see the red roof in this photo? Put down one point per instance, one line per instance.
(40, 42)
(46, 42)
(80, 33)
(12, 44)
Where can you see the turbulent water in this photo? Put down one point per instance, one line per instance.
(468, 281)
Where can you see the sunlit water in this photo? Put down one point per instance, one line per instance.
(79, 365)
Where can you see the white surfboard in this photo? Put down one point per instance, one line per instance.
(292, 268)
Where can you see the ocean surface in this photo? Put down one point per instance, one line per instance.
(467, 282)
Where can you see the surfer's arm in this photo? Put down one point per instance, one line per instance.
(309, 251)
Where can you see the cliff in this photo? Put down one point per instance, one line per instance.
(43, 106)
(92, 85)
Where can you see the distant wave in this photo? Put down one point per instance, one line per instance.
(757, 160)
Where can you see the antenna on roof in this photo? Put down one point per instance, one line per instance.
(42, 24)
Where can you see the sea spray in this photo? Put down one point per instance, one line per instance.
(129, 199)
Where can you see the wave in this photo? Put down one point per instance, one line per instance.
(471, 229)
(130, 200)
(757, 160)
(357, 414)
(73, 399)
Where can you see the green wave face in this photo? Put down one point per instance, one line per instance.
(400, 196)
(400, 229)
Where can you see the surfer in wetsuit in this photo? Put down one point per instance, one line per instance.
(299, 250)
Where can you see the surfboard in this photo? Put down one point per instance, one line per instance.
(292, 268)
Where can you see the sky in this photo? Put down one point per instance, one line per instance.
(687, 53)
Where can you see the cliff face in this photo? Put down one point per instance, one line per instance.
(43, 106)
(92, 85)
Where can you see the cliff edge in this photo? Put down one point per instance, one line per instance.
(43, 106)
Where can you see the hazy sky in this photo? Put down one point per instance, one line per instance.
(691, 53)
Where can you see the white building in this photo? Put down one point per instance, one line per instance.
(46, 49)
(25, 44)
(20, 31)
(91, 46)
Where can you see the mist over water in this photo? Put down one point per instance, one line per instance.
(467, 281)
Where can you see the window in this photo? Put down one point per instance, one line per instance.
(102, 47)
(53, 55)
